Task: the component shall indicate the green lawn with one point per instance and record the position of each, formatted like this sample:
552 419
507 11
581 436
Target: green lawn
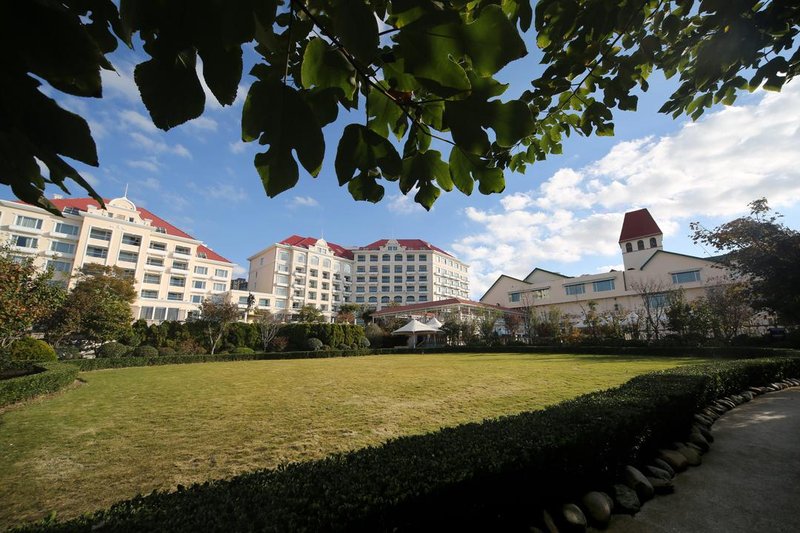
137 429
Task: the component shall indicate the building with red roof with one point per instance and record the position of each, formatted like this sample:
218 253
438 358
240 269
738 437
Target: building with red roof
173 272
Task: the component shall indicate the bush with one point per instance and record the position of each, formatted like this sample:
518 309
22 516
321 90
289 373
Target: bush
30 349
68 352
145 351
243 350
314 344
462 477
279 344
363 342
112 349
190 347
166 350
47 378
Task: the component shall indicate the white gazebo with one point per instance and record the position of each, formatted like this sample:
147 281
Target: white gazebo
413 328
434 322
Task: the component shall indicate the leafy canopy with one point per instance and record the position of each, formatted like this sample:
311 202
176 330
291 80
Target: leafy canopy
419 70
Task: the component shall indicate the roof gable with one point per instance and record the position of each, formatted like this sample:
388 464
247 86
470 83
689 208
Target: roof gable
408 244
540 274
308 242
638 224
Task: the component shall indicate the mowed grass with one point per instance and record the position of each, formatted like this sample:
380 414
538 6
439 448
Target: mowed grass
133 430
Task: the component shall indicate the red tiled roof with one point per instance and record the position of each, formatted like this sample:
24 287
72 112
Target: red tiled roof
438 303
409 244
638 224
308 242
83 204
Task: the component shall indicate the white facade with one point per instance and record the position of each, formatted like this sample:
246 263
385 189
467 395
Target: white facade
172 271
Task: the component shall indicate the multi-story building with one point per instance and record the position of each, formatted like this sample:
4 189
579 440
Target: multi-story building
305 270
173 272
649 272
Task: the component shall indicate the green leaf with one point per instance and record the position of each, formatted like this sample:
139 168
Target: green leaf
364 188
327 68
362 149
492 41
357 29
423 168
170 89
222 70
465 169
467 119
385 115
278 170
427 195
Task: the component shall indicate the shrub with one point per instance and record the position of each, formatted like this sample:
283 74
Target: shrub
68 352
243 350
375 335
145 351
363 342
190 347
48 378
30 349
166 350
279 344
314 344
112 349
343 347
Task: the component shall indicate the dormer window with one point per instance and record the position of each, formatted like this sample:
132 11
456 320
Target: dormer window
640 245
159 229
653 242
628 247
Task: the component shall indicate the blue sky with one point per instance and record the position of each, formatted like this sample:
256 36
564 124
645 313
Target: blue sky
563 214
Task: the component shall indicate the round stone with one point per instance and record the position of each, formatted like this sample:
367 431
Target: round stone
638 482
598 506
625 499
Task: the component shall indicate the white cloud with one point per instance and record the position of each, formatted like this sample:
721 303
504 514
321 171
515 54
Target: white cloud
150 183
712 167
150 163
239 271
203 124
224 191
404 204
303 201
237 147
151 145
137 120
90 178
120 83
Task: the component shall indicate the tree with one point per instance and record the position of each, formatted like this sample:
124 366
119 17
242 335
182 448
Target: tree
309 313
27 296
485 320
97 309
514 323
729 309
216 316
347 313
268 327
654 297
766 252
419 70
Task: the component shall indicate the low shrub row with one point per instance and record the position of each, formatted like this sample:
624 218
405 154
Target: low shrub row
43 379
493 475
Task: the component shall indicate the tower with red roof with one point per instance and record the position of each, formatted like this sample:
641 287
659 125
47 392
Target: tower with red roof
639 239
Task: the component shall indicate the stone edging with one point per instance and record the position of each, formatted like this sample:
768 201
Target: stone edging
637 486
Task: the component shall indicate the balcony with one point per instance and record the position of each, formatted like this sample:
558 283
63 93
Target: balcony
24 229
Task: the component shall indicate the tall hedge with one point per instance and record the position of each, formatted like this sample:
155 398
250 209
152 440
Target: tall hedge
333 335
489 476
44 379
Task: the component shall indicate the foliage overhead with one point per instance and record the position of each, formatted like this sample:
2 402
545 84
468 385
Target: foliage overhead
766 252
419 69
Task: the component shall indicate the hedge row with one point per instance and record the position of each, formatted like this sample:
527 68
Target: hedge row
46 378
492 475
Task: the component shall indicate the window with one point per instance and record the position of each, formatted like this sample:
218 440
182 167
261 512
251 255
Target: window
197 299
398 269
422 257
183 250
398 299
326 275
29 222
398 288
175 296
221 287
201 270
282 279
24 242
59 266
71 211
177 281
146 313
326 263
263 302
314 260
398 257
514 297
410 299
360 279
385 268
373 268
604 285
242 300
155 261
409 288
628 247
653 242
62 247
180 265
384 299
97 251
573 290
373 288
385 279
100 234
360 268
312 295
150 294
300 258
152 278
373 279
221 273
640 245
386 257
398 279
280 304
373 299
422 288
423 278
657 301
686 277
66 229
197 284
314 272
423 298
128 257
359 299
423 268
160 246
133 240
283 256
409 268
373 258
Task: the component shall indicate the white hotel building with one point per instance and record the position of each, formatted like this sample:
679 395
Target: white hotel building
173 272
309 271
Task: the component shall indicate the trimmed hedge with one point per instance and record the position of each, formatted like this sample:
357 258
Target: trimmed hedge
489 476
48 377
30 349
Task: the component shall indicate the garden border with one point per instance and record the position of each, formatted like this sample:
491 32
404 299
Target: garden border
50 377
